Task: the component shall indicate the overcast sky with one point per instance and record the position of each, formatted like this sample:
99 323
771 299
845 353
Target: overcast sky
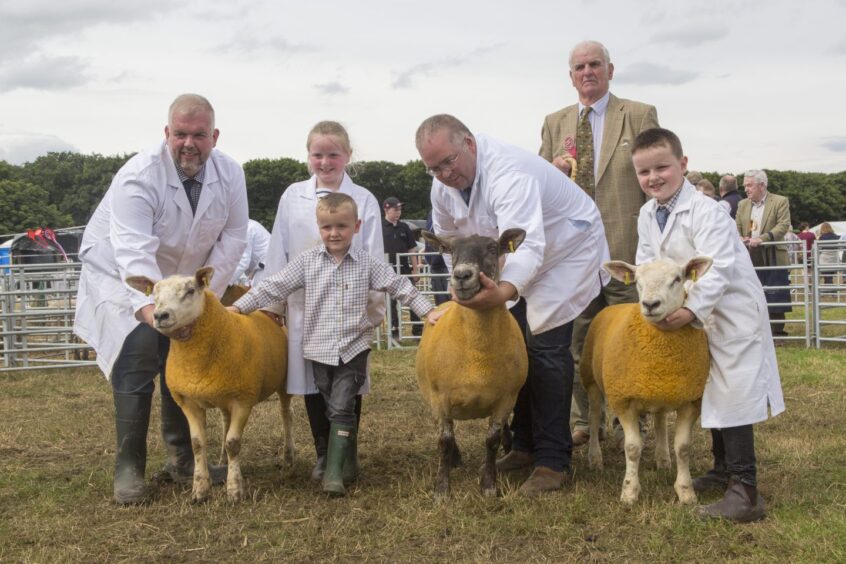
745 84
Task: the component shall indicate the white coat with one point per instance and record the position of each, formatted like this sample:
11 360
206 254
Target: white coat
252 259
144 226
294 231
728 301
558 266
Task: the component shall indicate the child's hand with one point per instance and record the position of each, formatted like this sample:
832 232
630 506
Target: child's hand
233 309
676 320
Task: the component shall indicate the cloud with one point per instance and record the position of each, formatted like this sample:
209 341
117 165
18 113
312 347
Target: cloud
406 78
43 73
252 42
333 87
839 48
837 144
26 25
692 37
19 148
650 74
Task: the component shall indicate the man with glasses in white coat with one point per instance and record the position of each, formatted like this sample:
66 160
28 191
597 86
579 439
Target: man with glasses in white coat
483 186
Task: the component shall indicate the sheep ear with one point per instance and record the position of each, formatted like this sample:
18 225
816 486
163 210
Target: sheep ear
443 245
697 267
511 239
203 276
141 283
622 271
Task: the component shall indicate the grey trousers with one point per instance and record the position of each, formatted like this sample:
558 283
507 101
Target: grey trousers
339 385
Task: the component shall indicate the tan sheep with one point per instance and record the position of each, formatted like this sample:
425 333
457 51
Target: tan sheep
472 363
641 368
218 359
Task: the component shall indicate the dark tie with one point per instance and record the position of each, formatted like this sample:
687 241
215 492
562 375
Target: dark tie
584 153
465 194
661 214
192 190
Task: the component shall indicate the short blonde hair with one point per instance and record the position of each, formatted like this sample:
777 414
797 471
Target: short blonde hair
334 129
333 202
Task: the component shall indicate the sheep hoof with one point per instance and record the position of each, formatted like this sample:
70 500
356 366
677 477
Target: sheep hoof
686 495
629 497
199 498
235 496
663 464
489 492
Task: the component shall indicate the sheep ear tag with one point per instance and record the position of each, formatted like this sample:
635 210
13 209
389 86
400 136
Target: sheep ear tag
627 280
148 289
511 246
206 280
693 275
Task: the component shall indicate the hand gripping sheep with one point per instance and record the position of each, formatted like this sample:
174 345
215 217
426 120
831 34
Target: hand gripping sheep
218 359
641 368
472 363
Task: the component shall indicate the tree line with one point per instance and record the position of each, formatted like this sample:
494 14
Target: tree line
63 189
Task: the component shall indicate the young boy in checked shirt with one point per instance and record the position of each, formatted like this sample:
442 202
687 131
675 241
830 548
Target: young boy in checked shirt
337 335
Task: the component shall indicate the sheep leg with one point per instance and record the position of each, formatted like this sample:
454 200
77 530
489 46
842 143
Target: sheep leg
226 421
594 422
686 417
631 483
446 447
287 429
488 479
196 416
507 437
662 444
234 479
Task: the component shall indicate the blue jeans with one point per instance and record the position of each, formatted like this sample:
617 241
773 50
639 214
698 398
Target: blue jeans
339 386
542 413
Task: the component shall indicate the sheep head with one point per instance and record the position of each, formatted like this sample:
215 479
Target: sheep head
474 254
179 301
661 285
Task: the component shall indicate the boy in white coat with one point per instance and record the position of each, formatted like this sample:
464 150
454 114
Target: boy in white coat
679 223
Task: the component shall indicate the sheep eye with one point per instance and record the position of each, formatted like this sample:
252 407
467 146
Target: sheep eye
677 280
190 292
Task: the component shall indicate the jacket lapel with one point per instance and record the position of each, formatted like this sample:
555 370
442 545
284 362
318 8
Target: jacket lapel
211 184
180 198
610 134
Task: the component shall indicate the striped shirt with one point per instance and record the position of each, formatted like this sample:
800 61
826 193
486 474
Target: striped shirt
336 324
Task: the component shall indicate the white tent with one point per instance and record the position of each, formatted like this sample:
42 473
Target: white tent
838 226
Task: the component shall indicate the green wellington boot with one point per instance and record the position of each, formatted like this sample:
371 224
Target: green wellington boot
351 464
340 439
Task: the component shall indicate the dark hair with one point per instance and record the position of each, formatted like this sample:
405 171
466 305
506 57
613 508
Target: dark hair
658 136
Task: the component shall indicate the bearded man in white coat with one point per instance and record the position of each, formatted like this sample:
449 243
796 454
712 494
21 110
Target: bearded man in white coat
483 186
170 210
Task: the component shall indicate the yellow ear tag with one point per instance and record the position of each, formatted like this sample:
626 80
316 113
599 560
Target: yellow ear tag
627 280
148 289
511 246
205 280
694 276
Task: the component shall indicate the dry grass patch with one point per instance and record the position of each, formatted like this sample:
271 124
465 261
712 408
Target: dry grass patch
57 452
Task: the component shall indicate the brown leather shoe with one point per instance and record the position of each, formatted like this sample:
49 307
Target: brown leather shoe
735 506
543 480
711 480
580 438
515 460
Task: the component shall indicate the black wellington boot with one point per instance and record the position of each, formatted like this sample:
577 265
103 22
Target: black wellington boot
319 424
132 417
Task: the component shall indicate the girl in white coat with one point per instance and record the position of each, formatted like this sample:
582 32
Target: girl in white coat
680 223
294 231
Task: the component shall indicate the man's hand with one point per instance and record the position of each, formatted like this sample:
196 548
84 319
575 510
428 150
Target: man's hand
145 315
755 241
561 164
676 320
490 295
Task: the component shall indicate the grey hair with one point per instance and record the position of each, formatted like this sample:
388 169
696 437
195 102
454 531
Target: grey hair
759 175
189 104
590 43
457 129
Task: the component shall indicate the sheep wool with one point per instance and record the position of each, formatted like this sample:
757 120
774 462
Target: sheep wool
671 366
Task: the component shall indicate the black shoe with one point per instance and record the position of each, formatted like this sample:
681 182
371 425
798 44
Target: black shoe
711 480
737 505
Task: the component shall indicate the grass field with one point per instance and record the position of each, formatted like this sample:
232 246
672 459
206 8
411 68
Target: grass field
57 453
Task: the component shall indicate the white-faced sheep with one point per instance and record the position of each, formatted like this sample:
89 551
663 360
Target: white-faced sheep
641 368
472 363
218 359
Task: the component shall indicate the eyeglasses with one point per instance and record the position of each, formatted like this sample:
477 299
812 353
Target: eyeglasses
447 165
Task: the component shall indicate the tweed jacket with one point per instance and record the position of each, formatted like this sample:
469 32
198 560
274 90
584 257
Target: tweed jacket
774 224
617 195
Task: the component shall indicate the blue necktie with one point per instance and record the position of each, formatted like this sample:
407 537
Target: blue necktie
465 194
192 190
661 214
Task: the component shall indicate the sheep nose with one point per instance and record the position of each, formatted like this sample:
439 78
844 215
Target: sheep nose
650 306
462 274
160 315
